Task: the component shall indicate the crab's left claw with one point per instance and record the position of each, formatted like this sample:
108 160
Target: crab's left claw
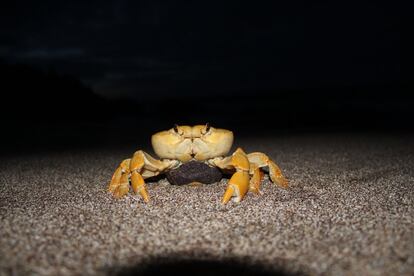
238 184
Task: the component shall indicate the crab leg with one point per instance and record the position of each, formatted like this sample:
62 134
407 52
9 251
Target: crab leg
256 179
137 181
140 166
259 160
238 184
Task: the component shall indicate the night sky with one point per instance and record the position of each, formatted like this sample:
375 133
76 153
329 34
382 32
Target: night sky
150 49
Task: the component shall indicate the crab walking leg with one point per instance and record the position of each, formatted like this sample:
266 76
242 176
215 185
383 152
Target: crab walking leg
138 185
259 160
238 184
119 185
137 181
256 180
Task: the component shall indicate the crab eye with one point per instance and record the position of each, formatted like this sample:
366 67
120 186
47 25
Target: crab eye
176 128
205 129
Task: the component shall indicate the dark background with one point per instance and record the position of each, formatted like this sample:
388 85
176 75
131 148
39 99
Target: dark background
107 73
99 77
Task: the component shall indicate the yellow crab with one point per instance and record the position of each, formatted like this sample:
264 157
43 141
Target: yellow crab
200 143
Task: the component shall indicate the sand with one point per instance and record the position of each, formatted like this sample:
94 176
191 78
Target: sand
349 210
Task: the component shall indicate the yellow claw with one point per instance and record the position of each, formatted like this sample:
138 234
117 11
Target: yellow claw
238 186
228 194
239 160
239 182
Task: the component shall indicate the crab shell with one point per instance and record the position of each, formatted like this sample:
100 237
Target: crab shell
185 143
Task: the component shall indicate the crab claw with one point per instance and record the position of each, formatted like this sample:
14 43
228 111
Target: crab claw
228 194
238 186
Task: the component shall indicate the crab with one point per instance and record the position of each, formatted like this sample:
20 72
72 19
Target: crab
203 144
